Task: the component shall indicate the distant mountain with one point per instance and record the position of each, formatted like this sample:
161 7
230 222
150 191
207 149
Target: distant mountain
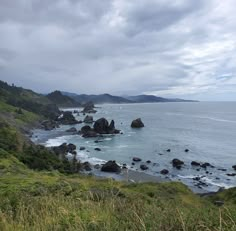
107 98
62 100
97 99
153 99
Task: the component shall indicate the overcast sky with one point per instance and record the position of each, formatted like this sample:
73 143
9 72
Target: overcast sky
182 48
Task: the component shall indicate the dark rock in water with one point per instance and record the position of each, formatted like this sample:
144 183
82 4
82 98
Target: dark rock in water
168 150
195 163
133 163
102 126
217 178
222 169
112 125
148 161
234 167
97 149
186 150
219 203
67 118
49 125
164 171
204 165
111 166
231 174
137 123
82 148
98 141
197 178
143 167
74 152
73 129
177 163
88 119
87 166
85 129
137 159
89 108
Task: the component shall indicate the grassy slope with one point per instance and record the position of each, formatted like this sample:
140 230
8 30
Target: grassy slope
33 200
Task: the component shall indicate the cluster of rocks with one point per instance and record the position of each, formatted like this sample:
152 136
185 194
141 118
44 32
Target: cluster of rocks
101 126
62 150
49 125
67 118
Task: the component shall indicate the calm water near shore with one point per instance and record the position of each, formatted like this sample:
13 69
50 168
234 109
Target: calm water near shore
207 129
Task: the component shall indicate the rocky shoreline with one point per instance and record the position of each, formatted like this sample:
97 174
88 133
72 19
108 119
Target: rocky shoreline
102 127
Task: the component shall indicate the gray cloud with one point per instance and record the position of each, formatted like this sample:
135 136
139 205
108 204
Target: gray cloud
182 48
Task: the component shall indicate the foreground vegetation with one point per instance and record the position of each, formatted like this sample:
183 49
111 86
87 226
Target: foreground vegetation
40 191
32 200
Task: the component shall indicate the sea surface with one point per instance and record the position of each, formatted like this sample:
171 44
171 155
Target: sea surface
207 129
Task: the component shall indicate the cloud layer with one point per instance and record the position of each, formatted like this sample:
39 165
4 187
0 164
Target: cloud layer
184 49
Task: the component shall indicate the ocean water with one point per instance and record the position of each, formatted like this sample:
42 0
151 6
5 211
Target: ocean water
207 129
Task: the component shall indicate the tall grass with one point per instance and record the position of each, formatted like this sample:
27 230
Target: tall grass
103 209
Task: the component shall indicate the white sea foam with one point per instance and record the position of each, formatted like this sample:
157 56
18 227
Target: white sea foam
57 141
108 138
219 184
188 176
85 156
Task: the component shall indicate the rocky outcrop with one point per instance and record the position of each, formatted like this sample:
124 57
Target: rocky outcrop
102 126
87 132
137 123
195 163
88 119
89 108
86 166
177 163
67 118
64 148
49 125
111 166
234 167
